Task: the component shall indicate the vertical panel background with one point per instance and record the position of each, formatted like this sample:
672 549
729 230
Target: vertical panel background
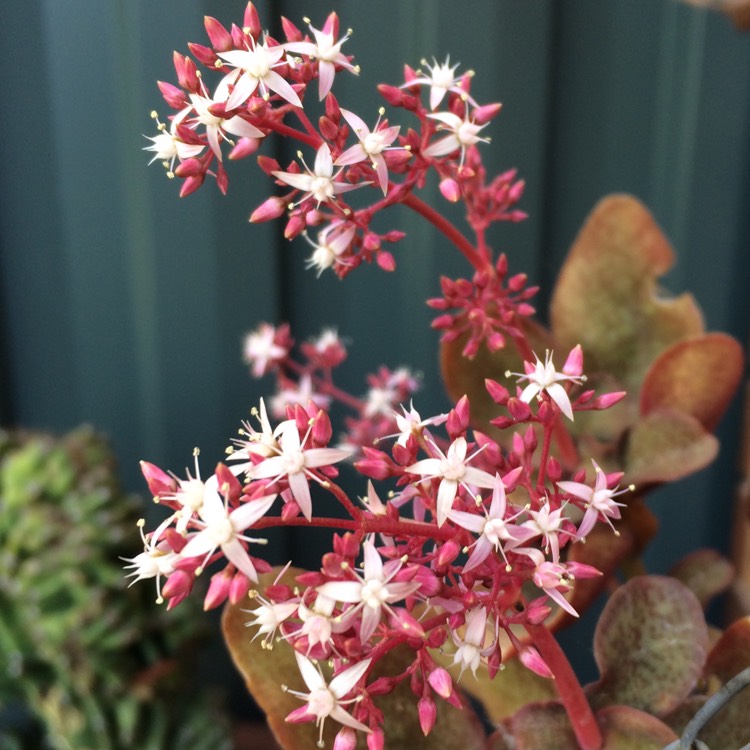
124 306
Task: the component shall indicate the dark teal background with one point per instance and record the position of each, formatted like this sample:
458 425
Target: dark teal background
124 306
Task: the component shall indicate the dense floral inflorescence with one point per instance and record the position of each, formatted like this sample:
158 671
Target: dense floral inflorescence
461 539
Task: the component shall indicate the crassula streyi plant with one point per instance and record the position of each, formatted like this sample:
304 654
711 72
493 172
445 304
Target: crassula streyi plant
467 548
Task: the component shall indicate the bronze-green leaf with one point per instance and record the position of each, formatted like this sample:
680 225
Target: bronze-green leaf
627 728
542 725
666 445
698 376
606 298
705 572
650 645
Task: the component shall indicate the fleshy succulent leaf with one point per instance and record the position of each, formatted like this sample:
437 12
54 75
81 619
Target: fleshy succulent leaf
627 728
606 296
697 376
650 645
666 445
705 572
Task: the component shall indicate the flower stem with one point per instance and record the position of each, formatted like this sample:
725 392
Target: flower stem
571 693
447 228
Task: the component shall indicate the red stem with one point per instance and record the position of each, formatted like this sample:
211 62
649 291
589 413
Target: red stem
571 693
447 228
366 524
282 129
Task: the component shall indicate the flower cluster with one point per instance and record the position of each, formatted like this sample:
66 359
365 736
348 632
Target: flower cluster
262 88
466 548
461 542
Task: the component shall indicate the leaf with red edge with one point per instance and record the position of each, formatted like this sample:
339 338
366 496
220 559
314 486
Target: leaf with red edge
606 297
650 645
731 654
627 728
666 445
697 376
705 572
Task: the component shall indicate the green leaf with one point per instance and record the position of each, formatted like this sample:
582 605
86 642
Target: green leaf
606 298
666 445
543 726
698 376
650 645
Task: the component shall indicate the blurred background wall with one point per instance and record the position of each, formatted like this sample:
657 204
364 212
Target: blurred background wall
125 307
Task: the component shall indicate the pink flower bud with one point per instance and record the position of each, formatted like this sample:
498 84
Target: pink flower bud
187 73
609 399
294 227
574 363
328 129
458 418
289 510
173 96
427 712
502 423
251 21
333 112
394 96
517 216
519 410
450 190
485 113
291 32
376 740
441 682
532 660
270 209
218 590
238 588
448 553
178 583
386 261
229 486
244 147
498 393
220 38
405 623
516 191
346 739
190 185
554 469
204 55
159 482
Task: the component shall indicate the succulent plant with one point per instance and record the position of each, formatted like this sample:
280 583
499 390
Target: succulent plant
82 651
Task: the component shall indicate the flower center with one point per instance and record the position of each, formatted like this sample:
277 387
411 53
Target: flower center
191 494
373 143
259 63
374 593
321 188
321 702
452 469
221 531
495 530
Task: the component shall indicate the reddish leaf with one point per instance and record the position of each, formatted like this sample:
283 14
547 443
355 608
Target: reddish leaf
698 376
627 728
606 297
650 645
705 572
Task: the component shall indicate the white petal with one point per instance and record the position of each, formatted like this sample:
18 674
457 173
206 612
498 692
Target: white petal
349 592
343 683
301 491
313 679
248 513
238 555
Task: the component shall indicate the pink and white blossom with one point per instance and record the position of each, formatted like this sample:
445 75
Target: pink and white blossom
453 470
442 78
328 699
497 531
327 51
462 133
293 462
371 592
542 376
371 145
318 183
254 70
